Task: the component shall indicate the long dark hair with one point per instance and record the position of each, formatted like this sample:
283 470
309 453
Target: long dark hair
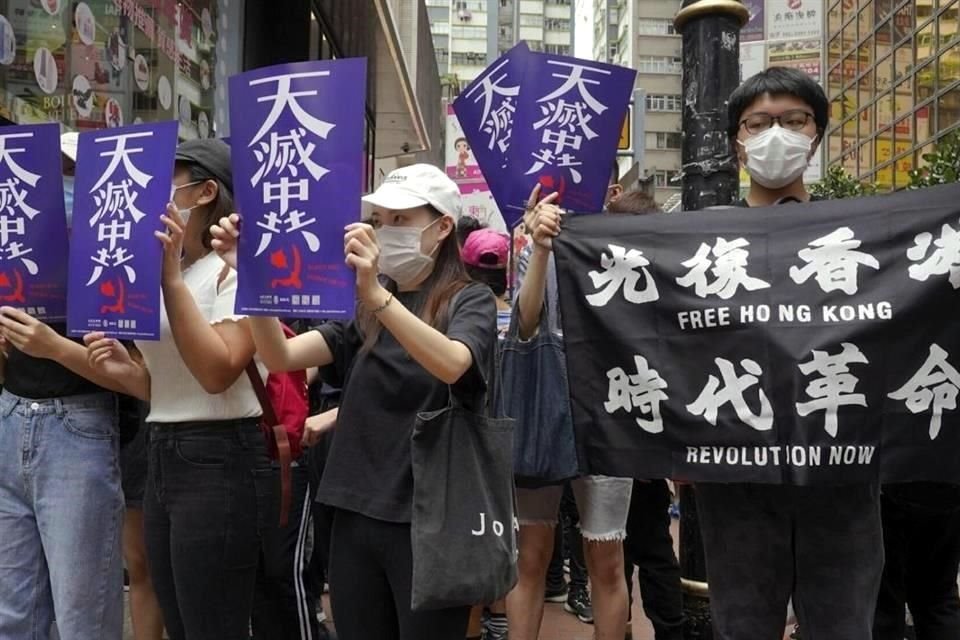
448 277
221 207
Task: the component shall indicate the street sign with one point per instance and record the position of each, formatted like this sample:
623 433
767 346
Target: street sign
625 138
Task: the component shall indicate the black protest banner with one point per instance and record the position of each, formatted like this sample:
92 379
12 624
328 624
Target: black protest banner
800 344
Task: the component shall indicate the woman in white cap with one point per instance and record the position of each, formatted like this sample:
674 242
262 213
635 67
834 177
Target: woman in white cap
422 330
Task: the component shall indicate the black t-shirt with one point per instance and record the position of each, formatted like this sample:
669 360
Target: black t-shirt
38 378
369 470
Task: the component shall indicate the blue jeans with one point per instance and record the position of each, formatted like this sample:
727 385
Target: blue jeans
61 514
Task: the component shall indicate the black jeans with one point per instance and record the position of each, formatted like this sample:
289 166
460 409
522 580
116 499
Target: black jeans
649 547
921 528
316 458
568 543
284 605
765 543
204 509
371 575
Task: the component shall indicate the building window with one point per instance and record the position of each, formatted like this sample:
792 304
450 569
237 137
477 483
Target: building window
669 140
468 32
557 24
438 14
666 179
527 20
659 64
659 102
557 49
656 27
565 3
469 58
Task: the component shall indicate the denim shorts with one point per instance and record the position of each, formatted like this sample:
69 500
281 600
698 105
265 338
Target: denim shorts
604 505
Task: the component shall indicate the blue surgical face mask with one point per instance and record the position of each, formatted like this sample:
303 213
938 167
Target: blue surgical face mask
68 199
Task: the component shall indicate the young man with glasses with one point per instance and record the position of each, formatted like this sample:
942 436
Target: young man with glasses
766 544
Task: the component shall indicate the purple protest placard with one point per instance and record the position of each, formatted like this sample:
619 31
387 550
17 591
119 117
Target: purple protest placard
486 110
33 224
298 157
123 183
566 130
753 31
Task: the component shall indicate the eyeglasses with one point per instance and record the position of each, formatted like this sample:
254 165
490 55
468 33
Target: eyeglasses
794 120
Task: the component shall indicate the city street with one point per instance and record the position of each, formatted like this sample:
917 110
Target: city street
557 623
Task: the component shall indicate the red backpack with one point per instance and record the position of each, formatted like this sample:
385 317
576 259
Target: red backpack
285 407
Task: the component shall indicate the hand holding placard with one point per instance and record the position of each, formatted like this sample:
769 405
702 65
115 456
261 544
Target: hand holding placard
172 241
108 357
225 235
362 254
27 334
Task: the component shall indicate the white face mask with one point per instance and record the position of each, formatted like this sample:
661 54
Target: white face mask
184 213
777 157
401 258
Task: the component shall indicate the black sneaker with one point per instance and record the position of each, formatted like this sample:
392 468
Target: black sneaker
579 605
556 593
126 581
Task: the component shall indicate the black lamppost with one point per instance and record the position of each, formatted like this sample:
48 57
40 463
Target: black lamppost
711 71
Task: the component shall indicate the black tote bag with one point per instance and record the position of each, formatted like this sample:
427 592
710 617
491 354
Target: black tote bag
464 529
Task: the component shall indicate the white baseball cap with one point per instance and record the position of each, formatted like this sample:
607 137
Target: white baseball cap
68 144
416 186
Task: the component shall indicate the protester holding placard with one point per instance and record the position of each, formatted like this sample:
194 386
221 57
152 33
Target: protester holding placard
424 338
206 452
61 507
603 501
822 545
